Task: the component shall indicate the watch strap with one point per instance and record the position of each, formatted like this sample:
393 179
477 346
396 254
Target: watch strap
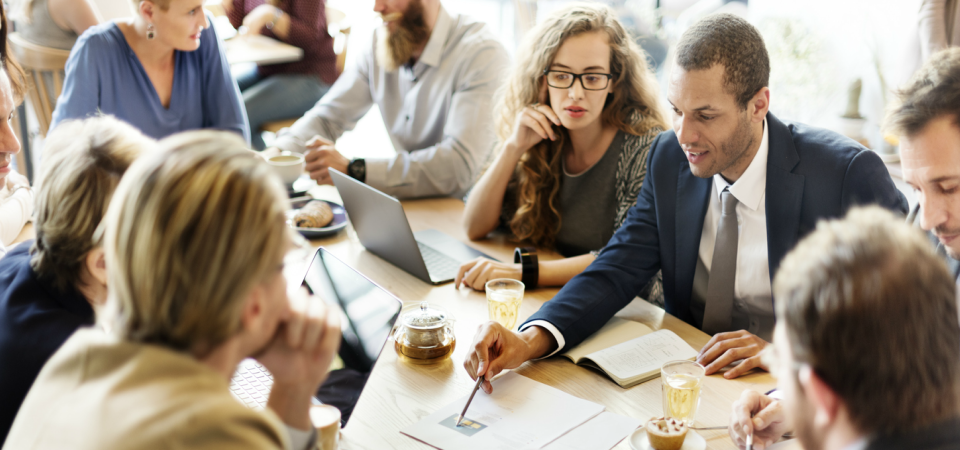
527 258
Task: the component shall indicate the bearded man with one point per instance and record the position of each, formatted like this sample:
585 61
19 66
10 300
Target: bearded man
433 76
729 191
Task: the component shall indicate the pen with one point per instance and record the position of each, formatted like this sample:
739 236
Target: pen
469 400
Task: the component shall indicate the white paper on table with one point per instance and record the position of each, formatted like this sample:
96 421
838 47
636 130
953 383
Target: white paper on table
520 414
602 432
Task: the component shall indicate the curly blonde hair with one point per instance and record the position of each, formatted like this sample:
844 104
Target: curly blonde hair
632 108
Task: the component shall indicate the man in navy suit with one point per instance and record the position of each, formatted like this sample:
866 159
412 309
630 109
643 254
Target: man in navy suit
732 189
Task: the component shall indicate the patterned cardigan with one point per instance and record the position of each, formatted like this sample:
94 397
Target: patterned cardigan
631 170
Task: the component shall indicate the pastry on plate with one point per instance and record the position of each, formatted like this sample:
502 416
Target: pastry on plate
666 433
315 214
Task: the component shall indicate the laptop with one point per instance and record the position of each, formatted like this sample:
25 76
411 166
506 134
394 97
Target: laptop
381 225
368 315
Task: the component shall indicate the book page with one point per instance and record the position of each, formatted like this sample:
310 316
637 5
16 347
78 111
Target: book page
521 414
616 331
643 354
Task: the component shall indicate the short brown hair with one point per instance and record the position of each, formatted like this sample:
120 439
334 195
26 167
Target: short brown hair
83 161
868 304
932 92
733 43
191 230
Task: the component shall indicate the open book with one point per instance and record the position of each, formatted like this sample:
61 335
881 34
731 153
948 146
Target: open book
630 352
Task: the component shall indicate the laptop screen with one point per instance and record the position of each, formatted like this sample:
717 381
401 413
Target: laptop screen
368 314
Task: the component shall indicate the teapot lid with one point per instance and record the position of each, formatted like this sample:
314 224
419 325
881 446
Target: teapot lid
425 317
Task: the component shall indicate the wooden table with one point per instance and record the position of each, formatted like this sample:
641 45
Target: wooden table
400 394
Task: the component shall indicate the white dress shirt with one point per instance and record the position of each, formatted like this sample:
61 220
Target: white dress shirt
16 208
752 304
437 111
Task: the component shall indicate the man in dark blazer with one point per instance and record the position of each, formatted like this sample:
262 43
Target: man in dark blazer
732 188
867 344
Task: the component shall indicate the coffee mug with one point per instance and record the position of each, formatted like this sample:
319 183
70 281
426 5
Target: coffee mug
289 165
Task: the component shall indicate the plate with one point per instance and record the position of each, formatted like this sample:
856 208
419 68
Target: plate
338 223
639 441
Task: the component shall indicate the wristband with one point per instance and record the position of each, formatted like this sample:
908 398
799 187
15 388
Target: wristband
527 258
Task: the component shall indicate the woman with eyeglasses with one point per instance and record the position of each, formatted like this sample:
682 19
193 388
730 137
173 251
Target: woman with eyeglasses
575 121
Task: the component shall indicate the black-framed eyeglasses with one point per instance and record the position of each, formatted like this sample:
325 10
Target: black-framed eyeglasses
564 80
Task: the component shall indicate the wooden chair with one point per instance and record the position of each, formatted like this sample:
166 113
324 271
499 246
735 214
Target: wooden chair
336 23
37 60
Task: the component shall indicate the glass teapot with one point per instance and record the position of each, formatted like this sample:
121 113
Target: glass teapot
424 335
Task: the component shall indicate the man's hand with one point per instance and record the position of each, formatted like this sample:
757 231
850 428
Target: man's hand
725 348
476 273
758 414
299 358
321 156
496 348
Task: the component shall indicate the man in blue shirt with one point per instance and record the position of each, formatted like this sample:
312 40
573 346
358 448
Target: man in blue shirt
728 193
50 287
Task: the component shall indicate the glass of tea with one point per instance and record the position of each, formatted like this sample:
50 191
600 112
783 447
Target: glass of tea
681 382
503 301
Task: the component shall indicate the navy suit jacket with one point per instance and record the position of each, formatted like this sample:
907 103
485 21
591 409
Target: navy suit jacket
812 174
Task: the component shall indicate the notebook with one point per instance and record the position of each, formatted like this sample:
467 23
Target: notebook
630 352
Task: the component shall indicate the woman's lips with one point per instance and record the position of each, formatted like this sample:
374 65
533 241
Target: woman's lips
575 112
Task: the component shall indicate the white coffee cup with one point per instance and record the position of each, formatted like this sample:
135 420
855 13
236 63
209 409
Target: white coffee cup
289 165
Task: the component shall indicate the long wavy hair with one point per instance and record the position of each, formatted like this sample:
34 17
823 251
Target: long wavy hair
633 107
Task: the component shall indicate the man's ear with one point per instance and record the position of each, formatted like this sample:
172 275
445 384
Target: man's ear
759 105
826 403
96 264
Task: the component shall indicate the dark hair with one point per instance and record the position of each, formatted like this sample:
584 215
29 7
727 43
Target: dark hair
869 305
732 42
18 80
932 92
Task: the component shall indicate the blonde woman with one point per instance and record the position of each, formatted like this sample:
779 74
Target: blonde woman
576 120
51 286
163 71
196 285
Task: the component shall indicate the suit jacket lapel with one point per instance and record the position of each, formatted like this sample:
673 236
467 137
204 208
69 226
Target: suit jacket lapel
693 197
784 194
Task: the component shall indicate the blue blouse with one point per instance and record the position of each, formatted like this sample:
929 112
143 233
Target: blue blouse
103 75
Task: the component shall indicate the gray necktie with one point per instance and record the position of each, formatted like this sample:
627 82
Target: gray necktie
723 270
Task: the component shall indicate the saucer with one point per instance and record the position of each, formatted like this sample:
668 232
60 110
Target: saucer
639 441
338 223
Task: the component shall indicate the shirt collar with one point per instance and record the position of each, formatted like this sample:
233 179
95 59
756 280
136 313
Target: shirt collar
438 39
752 184
860 444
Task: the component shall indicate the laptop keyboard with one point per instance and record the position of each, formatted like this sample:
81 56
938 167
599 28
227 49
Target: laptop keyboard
251 384
440 266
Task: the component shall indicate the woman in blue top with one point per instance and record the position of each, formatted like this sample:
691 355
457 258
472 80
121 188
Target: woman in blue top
162 71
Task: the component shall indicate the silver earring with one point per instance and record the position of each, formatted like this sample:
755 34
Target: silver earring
151 32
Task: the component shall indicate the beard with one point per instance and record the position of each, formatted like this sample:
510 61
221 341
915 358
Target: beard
396 48
738 145
803 427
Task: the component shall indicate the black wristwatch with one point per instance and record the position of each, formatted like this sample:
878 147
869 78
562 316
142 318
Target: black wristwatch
358 170
527 258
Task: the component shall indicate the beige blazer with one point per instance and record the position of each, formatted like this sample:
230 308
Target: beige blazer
100 393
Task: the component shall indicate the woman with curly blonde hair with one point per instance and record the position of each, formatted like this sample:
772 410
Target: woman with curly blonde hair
576 119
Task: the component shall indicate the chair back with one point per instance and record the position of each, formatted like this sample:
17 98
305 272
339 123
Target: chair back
36 61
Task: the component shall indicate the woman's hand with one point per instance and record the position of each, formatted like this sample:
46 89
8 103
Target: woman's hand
259 17
534 124
15 180
476 273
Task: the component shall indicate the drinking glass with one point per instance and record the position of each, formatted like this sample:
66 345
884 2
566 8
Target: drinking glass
503 300
681 382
